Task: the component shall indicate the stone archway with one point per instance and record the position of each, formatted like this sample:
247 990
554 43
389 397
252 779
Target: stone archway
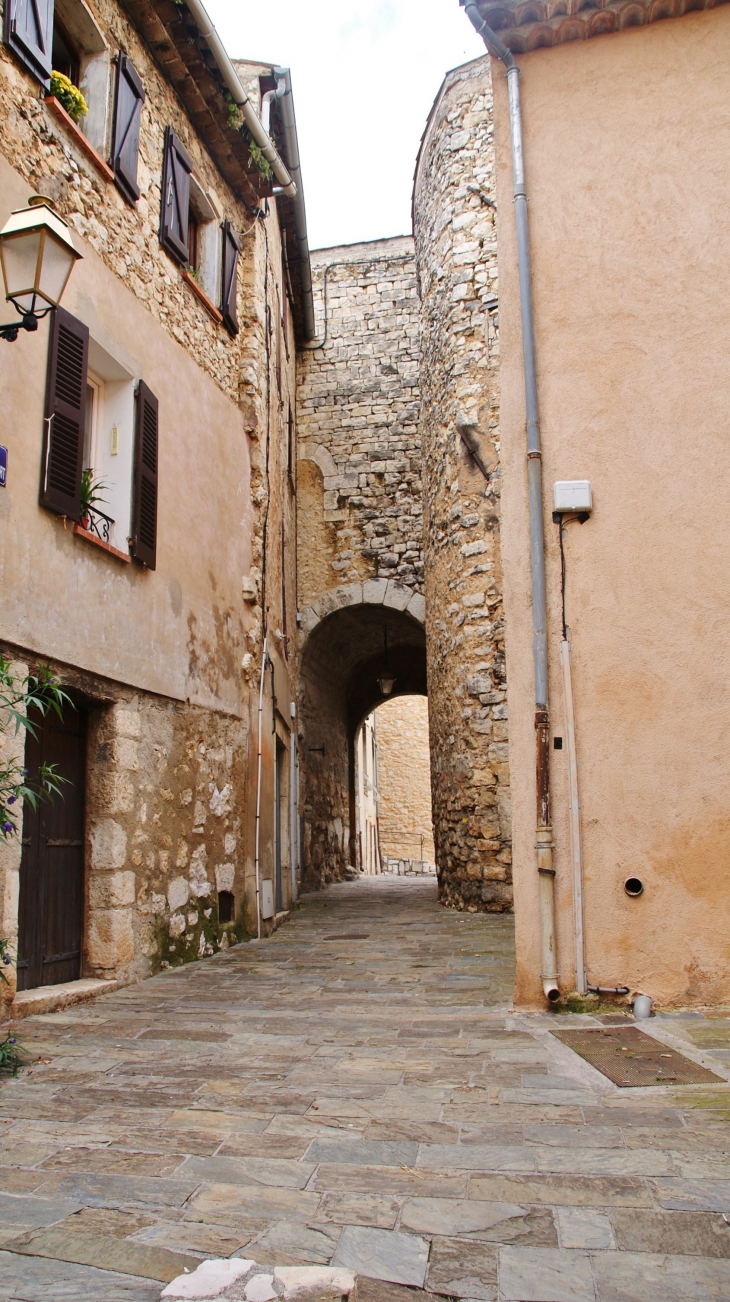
341 660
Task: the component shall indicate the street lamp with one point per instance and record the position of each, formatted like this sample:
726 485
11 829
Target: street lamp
386 681
37 256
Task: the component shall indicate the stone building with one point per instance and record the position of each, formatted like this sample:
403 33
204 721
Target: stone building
360 539
169 374
454 220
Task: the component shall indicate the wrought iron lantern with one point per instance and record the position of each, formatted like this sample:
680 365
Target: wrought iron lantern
386 681
38 256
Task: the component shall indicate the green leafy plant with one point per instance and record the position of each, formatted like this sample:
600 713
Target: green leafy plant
92 491
69 96
234 112
19 697
256 156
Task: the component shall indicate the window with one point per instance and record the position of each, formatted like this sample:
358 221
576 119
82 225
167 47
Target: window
204 240
65 57
229 278
93 423
80 52
94 395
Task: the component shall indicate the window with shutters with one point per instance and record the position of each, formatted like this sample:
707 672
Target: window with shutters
89 427
204 243
79 51
128 100
175 199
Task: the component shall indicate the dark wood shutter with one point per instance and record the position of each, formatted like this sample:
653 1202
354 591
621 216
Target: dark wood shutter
229 281
127 116
63 439
144 528
176 168
28 30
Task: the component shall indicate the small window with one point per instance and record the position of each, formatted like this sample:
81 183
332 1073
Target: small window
193 240
225 907
203 240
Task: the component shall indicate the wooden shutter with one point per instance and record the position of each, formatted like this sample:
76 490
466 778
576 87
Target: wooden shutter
127 115
229 292
176 168
144 528
63 439
28 30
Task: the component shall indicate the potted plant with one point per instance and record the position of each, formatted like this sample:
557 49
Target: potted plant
91 492
69 96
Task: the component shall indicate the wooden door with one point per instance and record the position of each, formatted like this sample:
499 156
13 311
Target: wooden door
52 861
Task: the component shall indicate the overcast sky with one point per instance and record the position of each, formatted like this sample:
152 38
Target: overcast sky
364 76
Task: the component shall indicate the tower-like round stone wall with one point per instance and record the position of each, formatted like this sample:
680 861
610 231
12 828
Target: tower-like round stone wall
456 254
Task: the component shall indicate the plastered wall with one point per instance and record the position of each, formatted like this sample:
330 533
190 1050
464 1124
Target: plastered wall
626 142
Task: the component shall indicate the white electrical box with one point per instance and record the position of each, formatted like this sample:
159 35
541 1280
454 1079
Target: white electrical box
572 495
267 899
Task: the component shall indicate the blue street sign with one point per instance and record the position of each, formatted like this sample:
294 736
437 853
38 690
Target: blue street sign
3 466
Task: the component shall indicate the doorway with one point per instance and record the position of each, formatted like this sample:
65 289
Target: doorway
52 858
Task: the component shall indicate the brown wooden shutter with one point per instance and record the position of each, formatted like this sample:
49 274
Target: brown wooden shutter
127 116
63 439
229 282
28 30
144 527
176 168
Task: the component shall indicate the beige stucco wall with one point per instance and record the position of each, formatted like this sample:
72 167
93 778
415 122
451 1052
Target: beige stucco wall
627 139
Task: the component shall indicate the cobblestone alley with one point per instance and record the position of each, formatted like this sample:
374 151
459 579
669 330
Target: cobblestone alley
355 1091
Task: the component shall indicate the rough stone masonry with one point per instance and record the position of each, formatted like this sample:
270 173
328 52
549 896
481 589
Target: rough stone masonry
456 251
376 462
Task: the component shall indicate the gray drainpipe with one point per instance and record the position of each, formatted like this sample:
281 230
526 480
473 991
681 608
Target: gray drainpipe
543 835
291 148
239 96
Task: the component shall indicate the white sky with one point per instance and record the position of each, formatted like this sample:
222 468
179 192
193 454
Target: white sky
364 76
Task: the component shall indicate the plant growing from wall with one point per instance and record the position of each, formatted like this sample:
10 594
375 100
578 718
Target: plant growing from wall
234 112
256 156
69 96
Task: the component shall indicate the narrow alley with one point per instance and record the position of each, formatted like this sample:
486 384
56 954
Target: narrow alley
354 1090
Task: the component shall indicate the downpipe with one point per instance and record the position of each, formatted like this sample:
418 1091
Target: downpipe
264 661
576 837
543 833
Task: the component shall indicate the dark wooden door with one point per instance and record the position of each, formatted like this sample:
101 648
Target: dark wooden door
52 861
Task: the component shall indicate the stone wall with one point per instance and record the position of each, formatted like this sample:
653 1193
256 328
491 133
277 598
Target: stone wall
456 251
171 771
359 446
404 779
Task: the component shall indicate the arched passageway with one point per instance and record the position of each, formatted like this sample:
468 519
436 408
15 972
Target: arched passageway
343 658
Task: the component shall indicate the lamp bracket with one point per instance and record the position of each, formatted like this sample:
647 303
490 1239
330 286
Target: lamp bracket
9 332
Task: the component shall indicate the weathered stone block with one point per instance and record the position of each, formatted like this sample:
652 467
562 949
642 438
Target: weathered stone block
111 890
110 939
108 844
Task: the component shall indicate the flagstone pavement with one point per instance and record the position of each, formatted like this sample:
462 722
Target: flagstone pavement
356 1091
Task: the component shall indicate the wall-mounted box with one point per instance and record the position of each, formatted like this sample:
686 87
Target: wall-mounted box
572 496
267 899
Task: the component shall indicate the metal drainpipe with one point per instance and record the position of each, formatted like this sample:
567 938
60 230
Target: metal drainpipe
543 834
291 147
239 96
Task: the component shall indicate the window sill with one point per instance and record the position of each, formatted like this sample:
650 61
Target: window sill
99 542
210 307
79 138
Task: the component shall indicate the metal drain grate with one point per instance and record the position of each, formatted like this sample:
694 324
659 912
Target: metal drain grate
629 1058
349 936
